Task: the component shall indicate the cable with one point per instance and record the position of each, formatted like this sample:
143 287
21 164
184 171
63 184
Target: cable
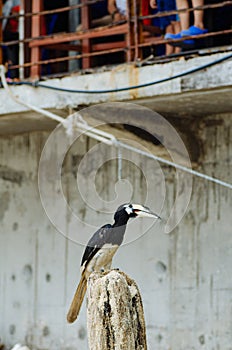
175 165
179 75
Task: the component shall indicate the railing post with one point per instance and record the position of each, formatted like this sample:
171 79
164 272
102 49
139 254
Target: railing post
35 32
129 36
86 44
135 30
21 38
115 317
137 26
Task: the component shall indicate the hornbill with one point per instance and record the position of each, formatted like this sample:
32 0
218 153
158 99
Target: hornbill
101 249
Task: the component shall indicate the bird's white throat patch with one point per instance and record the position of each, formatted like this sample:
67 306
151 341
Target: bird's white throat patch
128 209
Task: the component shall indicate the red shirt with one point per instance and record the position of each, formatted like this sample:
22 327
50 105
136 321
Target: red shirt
145 12
14 22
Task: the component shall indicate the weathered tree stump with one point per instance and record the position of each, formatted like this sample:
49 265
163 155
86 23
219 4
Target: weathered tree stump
115 318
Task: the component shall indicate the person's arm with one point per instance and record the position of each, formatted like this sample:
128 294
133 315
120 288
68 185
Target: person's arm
111 6
153 4
114 12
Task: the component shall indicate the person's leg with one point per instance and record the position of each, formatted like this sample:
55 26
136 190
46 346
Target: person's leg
168 48
184 16
176 29
176 26
198 14
186 29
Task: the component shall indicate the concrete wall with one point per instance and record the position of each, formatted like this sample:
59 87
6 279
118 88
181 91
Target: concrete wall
185 278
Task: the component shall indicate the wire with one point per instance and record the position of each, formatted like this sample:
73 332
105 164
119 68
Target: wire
175 165
179 75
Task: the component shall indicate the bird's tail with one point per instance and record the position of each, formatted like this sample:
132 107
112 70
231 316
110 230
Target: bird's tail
77 300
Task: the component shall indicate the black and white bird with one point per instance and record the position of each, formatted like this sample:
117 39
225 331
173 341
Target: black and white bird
101 248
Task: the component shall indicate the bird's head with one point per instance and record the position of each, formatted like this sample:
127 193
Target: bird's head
134 210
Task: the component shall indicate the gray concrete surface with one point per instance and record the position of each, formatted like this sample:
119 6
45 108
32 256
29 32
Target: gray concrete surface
184 278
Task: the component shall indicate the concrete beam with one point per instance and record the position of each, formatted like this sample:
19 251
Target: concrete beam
202 93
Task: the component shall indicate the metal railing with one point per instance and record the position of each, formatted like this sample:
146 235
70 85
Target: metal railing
134 40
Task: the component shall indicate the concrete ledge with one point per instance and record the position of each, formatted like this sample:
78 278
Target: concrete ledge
198 94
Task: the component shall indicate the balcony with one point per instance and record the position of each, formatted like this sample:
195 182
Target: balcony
120 61
56 40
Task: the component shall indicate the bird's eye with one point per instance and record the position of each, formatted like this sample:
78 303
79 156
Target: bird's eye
130 206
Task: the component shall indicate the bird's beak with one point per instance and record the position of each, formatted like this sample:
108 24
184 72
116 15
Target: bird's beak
144 212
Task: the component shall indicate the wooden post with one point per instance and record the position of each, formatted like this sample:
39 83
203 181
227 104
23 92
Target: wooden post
115 318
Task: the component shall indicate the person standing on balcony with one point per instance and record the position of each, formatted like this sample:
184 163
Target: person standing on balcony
186 30
168 24
10 33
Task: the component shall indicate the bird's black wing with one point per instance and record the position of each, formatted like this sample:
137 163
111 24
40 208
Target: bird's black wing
98 239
